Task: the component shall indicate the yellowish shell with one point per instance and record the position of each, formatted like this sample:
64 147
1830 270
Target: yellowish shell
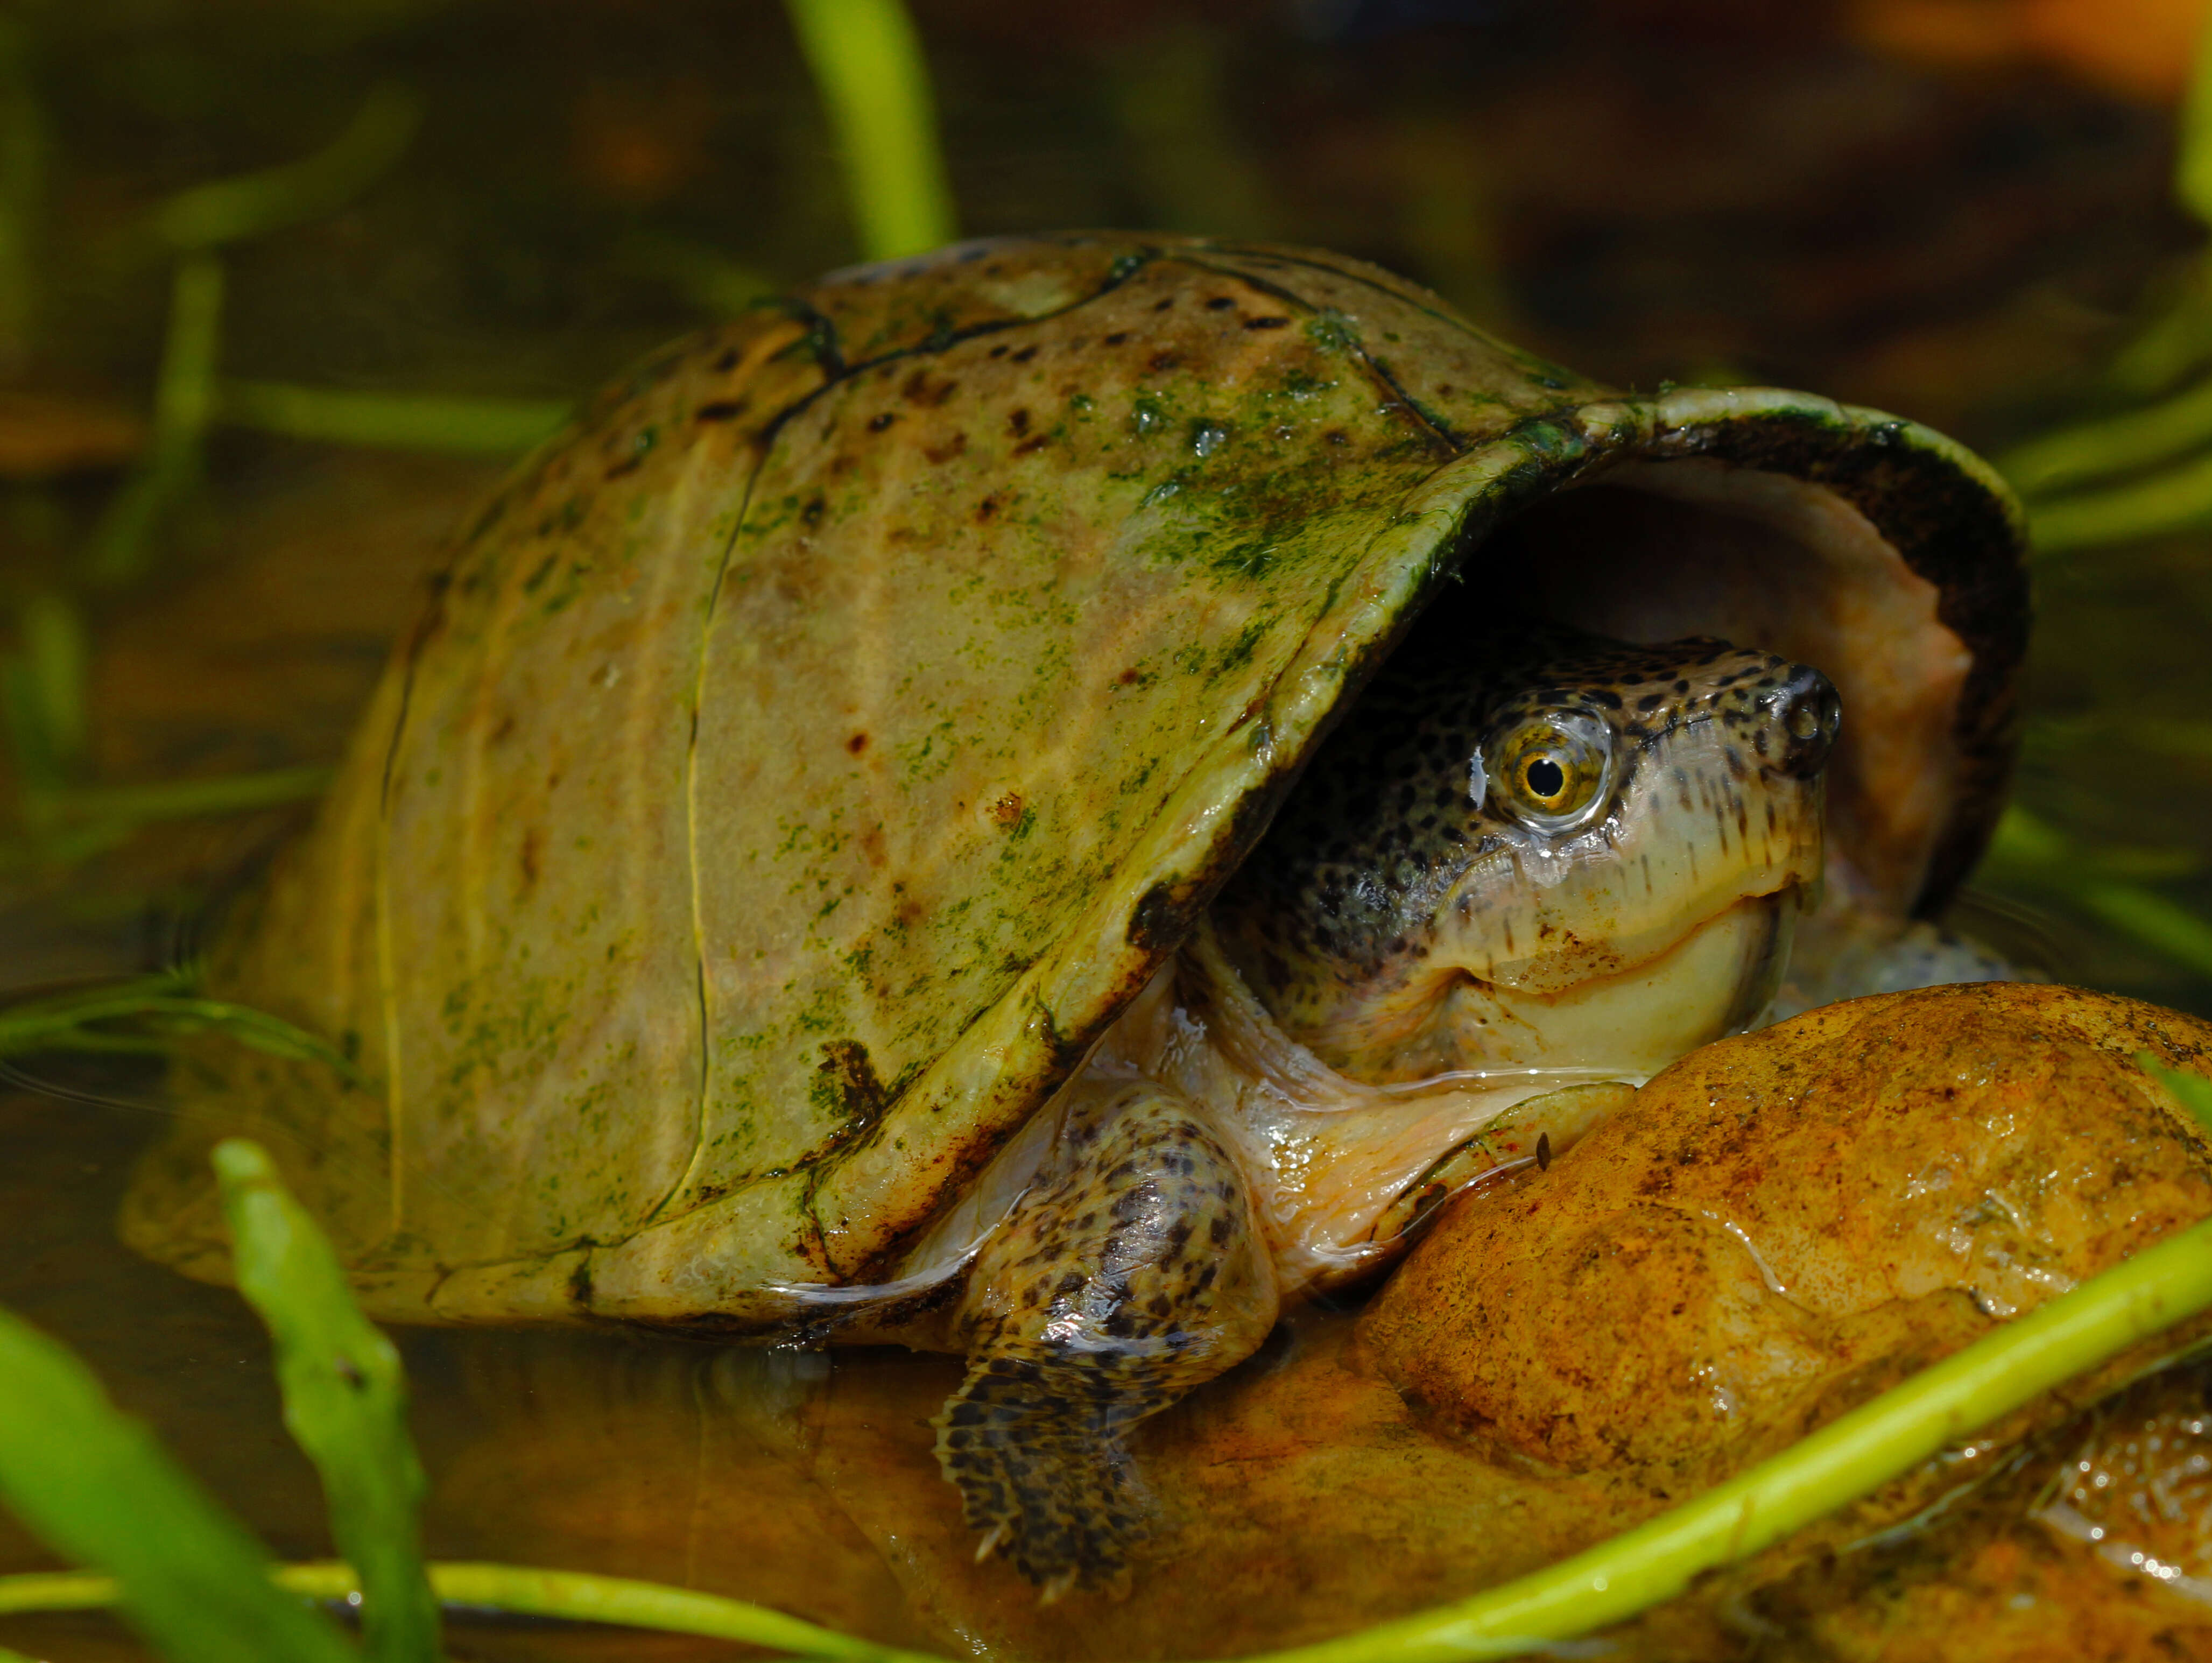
803 759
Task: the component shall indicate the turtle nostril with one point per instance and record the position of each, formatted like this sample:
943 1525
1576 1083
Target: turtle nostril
1806 710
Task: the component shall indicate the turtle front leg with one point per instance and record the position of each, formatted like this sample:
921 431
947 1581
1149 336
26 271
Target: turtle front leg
1132 1270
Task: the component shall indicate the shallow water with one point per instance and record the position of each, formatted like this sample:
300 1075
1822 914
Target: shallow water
1644 193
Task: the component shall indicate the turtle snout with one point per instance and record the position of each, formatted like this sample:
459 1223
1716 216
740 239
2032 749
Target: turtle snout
1805 715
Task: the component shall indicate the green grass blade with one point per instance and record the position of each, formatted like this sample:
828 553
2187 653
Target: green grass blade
184 400
2029 851
2124 444
58 663
411 421
94 1486
153 1006
345 1400
867 62
2166 927
184 799
2192 1091
252 204
2193 173
2175 499
521 1591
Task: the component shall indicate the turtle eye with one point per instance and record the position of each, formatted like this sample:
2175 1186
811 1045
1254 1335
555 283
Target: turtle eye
1555 768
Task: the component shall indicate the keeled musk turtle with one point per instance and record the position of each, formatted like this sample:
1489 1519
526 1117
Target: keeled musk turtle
1040 800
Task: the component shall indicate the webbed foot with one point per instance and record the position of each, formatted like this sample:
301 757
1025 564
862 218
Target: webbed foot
1132 1270
1032 1444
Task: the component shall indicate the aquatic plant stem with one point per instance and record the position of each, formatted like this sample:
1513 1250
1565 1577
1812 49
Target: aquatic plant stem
1611 1582
867 62
345 1400
392 421
520 1590
184 400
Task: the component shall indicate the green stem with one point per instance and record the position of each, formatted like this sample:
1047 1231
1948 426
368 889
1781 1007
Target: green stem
2193 175
2176 500
183 800
184 401
252 204
2117 445
868 66
68 1022
2029 851
519 1591
463 426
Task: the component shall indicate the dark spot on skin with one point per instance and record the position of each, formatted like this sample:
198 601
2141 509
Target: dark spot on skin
1337 436
1160 362
987 509
722 409
1130 677
999 351
857 744
505 731
1025 355
878 423
1007 808
1162 305
1119 337
1219 303
1027 446
811 516
1018 422
727 360
628 465
1267 323
945 452
532 841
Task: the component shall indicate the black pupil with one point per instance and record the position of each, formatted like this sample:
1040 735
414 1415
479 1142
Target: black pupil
1545 778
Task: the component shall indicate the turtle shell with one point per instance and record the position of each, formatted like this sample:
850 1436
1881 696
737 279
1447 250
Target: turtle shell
804 758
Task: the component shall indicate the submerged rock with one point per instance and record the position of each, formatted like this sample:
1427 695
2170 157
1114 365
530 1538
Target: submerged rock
1781 1224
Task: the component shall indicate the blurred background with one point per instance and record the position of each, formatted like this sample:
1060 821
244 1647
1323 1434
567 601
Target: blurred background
284 283
285 286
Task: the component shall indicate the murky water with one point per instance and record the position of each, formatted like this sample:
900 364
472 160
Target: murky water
1644 193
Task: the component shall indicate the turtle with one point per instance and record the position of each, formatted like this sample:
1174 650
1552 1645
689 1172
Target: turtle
1043 800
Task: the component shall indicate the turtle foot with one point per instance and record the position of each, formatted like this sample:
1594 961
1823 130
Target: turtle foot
1032 1446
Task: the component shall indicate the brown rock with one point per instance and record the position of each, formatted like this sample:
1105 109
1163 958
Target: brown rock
1783 1223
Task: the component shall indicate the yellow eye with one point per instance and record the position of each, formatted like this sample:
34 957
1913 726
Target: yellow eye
1553 769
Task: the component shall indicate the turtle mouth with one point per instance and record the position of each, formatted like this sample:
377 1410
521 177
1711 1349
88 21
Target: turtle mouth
1628 1019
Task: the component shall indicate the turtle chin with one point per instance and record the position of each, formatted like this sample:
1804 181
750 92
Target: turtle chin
1624 1022
1716 978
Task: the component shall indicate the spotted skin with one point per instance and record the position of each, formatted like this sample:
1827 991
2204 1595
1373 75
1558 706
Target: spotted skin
1343 900
1132 1270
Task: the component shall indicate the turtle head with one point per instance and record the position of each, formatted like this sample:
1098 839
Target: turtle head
1533 847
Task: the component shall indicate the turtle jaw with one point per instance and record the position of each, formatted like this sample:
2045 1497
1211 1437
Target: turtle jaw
1717 978
1626 1021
